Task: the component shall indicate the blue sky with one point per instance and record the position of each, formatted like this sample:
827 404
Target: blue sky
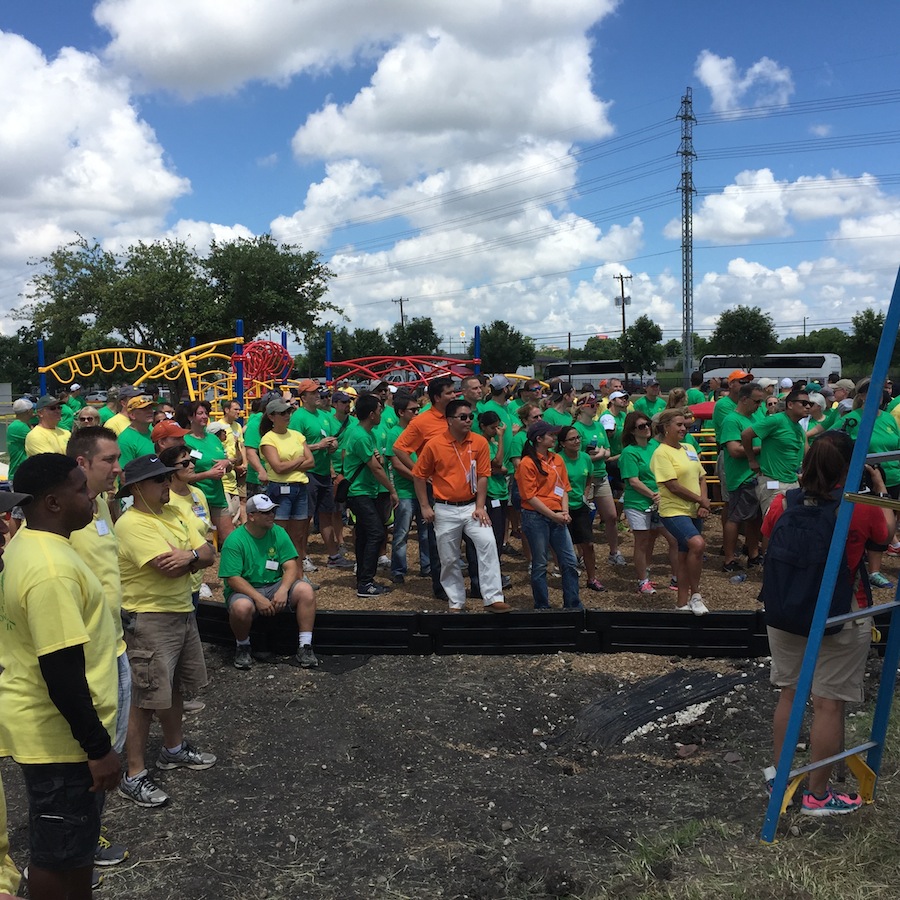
485 160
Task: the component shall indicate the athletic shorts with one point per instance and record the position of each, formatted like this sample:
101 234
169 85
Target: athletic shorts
166 655
841 667
63 814
320 494
643 520
743 504
580 526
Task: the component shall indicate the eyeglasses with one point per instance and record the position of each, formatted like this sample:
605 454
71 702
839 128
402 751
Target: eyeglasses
162 479
574 437
804 402
183 464
464 417
87 419
643 425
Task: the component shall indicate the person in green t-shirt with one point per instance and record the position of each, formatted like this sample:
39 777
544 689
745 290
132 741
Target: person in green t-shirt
782 446
16 433
694 394
370 505
406 408
261 576
651 403
559 412
613 421
580 468
743 504
498 434
135 440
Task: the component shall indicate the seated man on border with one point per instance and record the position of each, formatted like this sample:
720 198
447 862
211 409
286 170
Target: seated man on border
262 577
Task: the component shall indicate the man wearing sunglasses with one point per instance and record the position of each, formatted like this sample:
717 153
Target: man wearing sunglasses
158 551
782 446
458 463
47 436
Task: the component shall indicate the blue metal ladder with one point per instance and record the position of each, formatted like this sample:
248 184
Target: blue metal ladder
787 780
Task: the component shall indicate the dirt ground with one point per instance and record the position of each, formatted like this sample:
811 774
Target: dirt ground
450 776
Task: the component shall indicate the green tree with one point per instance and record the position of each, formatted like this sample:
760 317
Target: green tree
503 348
672 348
823 340
641 348
600 348
18 360
867 326
369 342
744 331
416 338
268 285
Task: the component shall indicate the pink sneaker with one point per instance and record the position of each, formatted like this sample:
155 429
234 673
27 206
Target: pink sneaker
833 803
646 587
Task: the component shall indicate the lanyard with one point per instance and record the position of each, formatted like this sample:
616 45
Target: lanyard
470 473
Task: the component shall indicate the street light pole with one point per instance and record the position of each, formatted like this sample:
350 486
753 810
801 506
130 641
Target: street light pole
622 301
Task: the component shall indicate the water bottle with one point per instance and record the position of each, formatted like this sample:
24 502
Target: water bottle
740 578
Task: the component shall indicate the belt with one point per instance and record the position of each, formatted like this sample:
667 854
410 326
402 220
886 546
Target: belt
455 502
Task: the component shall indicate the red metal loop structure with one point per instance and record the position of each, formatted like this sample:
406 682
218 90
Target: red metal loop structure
264 362
411 370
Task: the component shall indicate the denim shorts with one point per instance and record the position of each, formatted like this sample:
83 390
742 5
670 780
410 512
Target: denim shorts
682 528
290 504
64 816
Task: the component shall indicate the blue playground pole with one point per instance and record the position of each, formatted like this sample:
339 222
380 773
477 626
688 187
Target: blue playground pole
285 373
239 365
477 349
327 357
42 376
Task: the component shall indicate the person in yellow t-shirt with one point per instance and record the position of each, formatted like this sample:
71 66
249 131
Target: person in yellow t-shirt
47 436
58 690
120 421
158 552
96 451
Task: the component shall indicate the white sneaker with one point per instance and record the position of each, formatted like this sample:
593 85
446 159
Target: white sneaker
697 606
205 592
309 565
616 559
384 562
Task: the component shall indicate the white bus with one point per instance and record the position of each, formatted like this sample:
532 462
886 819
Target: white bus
809 366
592 372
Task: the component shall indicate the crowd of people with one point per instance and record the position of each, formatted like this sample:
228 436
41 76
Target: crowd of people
118 513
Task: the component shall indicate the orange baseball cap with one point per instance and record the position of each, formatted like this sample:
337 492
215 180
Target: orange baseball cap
738 374
307 385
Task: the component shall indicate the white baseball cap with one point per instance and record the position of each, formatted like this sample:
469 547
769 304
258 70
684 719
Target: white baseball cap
787 383
22 405
260 503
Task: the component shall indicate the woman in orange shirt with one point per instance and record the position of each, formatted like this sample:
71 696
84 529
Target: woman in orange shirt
544 486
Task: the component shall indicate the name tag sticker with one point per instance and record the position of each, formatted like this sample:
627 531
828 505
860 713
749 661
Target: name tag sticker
692 455
272 565
772 485
495 504
558 491
196 454
102 527
285 489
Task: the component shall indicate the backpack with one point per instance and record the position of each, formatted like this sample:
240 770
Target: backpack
795 562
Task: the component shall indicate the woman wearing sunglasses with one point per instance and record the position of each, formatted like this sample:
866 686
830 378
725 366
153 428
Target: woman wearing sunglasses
86 417
544 486
641 498
287 459
188 500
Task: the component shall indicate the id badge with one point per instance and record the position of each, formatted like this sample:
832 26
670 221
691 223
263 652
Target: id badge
285 489
272 565
196 454
495 504
102 527
772 485
558 491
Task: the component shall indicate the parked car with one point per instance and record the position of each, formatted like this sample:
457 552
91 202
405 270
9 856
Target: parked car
98 397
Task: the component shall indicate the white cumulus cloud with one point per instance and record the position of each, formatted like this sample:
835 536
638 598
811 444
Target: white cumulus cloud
765 83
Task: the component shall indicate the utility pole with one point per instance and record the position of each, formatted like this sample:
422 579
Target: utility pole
804 327
402 318
622 300
686 186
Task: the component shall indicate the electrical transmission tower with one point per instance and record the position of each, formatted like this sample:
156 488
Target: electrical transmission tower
686 186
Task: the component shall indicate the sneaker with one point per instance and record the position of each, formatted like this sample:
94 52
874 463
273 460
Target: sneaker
398 578
193 705
108 853
505 582
243 659
143 791
339 562
733 566
645 587
893 550
595 585
833 803
877 579
769 774
306 658
372 590
384 562
673 583
186 758
424 573
312 584
697 606
755 562
309 565
616 559
205 592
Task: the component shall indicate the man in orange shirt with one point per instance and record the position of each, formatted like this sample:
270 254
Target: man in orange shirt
426 425
459 463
